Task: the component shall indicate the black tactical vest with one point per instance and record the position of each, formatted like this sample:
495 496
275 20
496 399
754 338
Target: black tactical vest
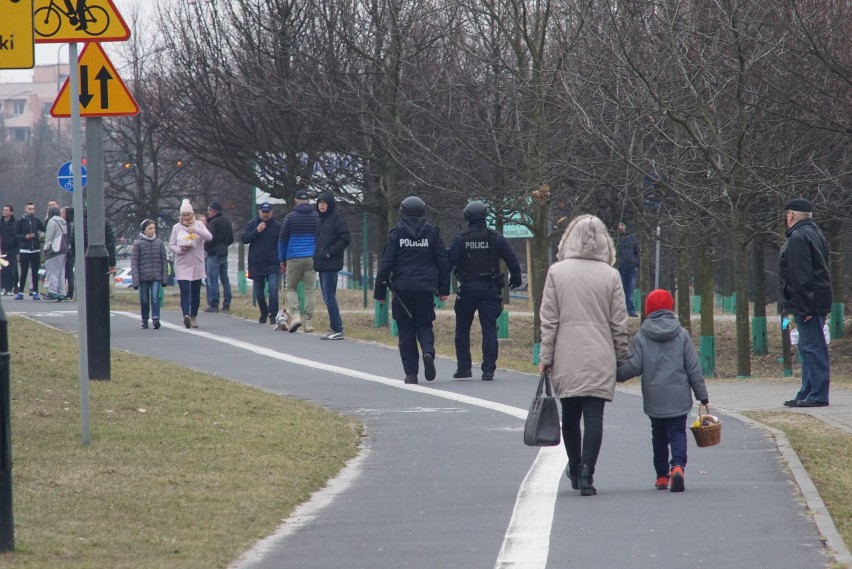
478 258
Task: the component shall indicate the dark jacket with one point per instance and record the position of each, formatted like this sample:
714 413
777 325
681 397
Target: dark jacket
26 225
223 236
457 257
627 251
149 260
109 239
8 238
298 233
663 354
332 237
803 275
263 247
414 259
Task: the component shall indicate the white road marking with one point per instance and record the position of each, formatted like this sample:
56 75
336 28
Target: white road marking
526 543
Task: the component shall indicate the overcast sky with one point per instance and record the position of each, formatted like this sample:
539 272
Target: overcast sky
47 53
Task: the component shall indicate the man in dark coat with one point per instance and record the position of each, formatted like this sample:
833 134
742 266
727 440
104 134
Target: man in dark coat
414 266
332 240
261 235
29 231
627 256
217 258
9 249
476 253
805 284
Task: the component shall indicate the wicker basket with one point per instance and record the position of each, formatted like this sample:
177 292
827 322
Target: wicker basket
707 435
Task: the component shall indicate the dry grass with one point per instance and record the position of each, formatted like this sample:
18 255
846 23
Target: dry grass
184 469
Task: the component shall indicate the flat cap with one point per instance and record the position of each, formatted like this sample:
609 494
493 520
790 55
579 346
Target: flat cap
799 204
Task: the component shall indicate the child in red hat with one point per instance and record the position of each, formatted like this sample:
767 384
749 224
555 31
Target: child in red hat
663 354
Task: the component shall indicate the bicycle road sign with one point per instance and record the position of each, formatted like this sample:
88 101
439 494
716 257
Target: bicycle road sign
102 92
65 176
17 50
93 20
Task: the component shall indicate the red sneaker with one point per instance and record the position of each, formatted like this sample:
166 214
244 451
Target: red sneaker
677 479
662 483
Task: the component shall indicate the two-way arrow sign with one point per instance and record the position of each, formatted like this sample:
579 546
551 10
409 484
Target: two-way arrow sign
109 98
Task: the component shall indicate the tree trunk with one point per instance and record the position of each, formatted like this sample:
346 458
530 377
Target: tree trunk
684 300
758 327
741 290
837 325
708 338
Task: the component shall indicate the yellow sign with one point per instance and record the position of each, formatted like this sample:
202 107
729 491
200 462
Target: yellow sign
89 20
102 92
16 34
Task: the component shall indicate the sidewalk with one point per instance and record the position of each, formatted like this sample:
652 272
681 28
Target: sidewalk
755 395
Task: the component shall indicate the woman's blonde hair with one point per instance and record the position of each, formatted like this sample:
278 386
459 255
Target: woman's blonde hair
586 237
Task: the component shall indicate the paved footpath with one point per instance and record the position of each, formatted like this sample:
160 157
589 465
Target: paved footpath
444 482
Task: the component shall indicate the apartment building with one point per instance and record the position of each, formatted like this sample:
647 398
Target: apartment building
24 104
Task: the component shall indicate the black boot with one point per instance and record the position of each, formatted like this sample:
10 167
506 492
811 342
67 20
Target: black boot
586 488
571 473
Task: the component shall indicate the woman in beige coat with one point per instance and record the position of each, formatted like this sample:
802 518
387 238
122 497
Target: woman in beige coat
583 335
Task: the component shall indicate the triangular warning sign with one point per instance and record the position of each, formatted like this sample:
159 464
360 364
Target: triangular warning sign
89 20
102 92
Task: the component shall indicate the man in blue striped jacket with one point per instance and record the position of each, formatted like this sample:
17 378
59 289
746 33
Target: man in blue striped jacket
296 244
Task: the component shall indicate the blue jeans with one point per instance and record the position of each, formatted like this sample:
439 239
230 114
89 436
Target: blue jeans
149 299
816 374
258 284
328 287
628 281
190 297
667 433
217 268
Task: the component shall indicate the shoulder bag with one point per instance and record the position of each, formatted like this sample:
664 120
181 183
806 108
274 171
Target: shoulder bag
542 427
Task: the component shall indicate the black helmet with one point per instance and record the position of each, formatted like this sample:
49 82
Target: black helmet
475 210
412 206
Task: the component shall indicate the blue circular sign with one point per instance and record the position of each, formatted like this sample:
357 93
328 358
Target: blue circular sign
65 177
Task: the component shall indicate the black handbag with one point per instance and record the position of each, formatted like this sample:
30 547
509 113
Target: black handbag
542 428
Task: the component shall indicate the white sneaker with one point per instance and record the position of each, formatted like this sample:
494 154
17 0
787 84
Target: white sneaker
332 336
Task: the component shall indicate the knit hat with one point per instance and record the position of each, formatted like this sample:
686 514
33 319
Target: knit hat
215 206
145 223
658 300
186 207
799 204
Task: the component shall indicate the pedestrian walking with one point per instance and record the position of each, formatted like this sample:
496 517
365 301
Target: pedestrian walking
261 235
583 336
332 240
627 253
55 249
475 254
217 258
109 242
663 354
296 245
149 267
414 267
29 232
805 285
9 250
186 242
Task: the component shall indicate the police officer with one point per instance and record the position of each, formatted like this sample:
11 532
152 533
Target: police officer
414 266
475 254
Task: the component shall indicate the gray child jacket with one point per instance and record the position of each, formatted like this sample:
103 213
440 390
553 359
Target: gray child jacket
663 354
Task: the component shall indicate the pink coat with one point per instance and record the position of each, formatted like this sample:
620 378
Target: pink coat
189 265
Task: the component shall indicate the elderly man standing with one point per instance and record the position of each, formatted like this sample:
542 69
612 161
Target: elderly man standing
806 294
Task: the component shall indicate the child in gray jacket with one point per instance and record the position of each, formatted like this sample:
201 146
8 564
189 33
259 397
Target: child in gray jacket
663 354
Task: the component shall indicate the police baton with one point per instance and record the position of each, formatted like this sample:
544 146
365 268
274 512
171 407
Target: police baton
401 303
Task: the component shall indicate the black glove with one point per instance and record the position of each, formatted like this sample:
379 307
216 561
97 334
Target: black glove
705 402
515 281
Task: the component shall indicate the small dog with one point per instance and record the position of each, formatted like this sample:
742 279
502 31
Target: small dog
282 321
